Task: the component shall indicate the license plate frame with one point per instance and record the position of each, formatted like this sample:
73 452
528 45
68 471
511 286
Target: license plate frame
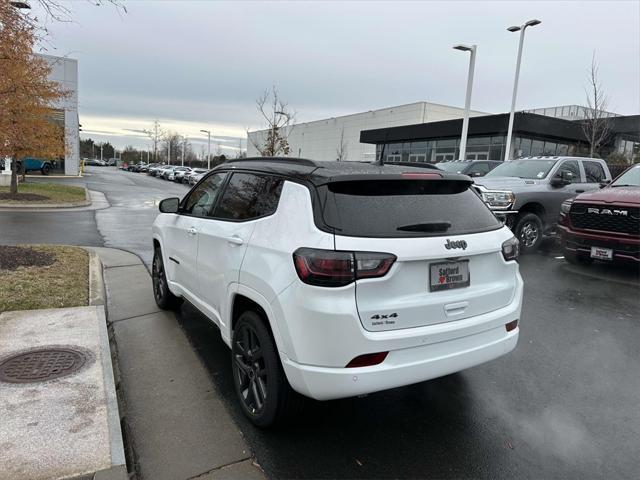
439 285
602 253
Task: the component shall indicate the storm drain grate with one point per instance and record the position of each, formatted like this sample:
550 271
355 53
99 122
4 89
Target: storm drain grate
38 365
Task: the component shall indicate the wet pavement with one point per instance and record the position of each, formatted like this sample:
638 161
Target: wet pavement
564 403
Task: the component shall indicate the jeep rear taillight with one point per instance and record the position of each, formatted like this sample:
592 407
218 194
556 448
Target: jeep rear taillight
331 268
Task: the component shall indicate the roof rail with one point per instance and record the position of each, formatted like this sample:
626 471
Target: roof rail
298 161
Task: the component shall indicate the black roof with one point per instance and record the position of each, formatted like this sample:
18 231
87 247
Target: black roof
528 123
320 172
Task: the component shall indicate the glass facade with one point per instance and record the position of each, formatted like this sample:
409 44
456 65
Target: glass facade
478 148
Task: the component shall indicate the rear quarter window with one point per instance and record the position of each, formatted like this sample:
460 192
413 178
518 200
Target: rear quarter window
405 208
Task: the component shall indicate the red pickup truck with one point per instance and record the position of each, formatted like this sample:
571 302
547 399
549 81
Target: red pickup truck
605 224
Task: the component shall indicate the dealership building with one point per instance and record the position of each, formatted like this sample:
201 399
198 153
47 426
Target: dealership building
65 113
326 139
427 132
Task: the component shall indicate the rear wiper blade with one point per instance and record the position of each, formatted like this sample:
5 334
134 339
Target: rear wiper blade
426 227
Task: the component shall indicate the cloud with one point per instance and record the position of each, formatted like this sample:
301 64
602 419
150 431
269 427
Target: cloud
202 64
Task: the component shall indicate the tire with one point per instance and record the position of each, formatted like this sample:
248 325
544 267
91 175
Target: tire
575 259
528 231
46 168
161 293
265 395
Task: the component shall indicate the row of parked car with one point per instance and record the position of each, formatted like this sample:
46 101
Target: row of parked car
172 173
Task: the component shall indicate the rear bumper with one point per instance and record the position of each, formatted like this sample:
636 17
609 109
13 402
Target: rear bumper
580 243
468 343
401 367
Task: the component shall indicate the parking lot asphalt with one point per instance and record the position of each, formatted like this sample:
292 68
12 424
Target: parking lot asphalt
564 403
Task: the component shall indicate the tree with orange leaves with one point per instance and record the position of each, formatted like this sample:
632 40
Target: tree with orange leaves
27 96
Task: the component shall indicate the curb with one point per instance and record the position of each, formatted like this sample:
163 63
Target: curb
52 206
118 470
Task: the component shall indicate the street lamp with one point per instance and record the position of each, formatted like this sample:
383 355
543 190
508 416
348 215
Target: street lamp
521 29
208 132
467 103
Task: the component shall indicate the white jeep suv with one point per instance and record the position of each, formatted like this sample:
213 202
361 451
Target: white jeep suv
336 279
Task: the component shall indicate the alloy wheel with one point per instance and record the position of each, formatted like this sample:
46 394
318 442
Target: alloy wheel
250 371
529 234
158 277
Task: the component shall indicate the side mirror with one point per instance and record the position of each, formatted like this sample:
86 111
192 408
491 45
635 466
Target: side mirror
562 178
170 205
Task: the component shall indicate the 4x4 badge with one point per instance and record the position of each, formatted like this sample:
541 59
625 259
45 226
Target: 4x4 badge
455 244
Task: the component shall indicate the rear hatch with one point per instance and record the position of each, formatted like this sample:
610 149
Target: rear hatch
447 242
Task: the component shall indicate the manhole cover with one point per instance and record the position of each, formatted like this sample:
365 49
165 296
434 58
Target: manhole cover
41 364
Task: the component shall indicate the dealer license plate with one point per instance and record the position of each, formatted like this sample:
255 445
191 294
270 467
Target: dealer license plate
448 275
602 253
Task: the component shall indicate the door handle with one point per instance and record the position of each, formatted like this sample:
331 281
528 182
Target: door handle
235 240
579 191
192 231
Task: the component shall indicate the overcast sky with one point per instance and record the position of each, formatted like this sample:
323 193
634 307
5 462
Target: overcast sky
201 64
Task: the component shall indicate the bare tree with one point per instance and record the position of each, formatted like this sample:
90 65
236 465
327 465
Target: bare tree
342 150
156 135
596 125
172 146
280 120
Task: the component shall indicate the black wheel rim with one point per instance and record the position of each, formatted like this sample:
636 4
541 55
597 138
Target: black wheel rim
158 277
529 234
250 373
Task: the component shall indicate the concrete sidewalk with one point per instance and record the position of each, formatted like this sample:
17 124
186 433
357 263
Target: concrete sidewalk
57 422
176 427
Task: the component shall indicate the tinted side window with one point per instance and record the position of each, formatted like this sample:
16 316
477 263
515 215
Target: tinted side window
249 196
203 197
594 172
571 166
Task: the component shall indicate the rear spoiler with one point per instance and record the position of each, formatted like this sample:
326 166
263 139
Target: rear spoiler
413 175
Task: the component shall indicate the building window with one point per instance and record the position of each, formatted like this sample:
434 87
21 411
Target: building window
537 147
418 157
563 150
550 148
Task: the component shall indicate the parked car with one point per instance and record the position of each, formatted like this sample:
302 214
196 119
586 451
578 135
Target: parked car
197 176
95 162
159 170
29 164
473 168
178 173
137 167
603 224
166 171
186 178
337 279
527 193
112 162
153 171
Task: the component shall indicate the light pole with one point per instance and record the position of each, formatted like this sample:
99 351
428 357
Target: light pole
208 132
467 102
521 29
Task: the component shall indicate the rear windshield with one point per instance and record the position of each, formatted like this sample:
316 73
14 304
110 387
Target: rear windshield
405 208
